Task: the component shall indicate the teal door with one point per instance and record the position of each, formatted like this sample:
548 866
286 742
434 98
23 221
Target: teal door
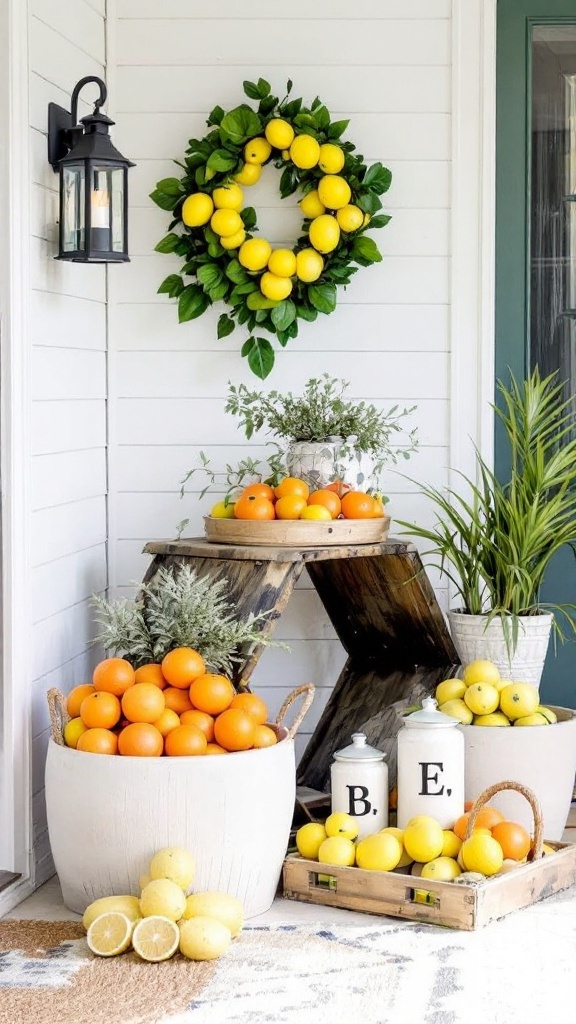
536 234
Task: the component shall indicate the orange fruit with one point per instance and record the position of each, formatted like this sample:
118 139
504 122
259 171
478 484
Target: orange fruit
488 817
181 666
212 693
201 719
513 838
185 741
339 488
253 507
215 748
177 700
140 739
75 698
253 705
292 485
150 673
264 737
460 825
468 805
168 720
143 702
100 710
235 729
98 741
258 490
290 506
329 499
113 675
357 505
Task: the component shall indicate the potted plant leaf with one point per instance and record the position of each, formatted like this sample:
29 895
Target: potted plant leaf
326 434
494 540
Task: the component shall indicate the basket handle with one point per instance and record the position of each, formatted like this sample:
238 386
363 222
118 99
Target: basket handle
535 852
58 714
307 689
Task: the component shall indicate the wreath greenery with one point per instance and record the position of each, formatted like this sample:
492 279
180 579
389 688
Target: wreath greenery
304 144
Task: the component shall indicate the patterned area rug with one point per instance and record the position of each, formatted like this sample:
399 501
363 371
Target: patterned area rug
515 971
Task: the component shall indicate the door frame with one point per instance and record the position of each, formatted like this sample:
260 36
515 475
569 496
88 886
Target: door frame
15 441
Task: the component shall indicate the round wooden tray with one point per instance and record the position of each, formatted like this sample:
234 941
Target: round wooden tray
296 533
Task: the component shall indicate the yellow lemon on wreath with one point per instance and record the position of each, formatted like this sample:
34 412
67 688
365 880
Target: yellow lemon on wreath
519 700
228 197
337 850
255 253
304 152
279 133
309 839
282 262
274 287
324 233
197 210
233 241
257 150
331 158
482 853
226 222
480 671
316 512
221 510
311 205
481 698
309 265
249 175
334 191
350 218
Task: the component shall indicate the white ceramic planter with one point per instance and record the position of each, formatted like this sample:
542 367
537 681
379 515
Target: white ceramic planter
542 757
107 816
474 637
319 463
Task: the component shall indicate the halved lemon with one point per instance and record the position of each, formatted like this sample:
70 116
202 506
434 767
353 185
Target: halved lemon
110 934
156 938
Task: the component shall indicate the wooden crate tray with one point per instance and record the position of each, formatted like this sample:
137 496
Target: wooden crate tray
296 533
465 907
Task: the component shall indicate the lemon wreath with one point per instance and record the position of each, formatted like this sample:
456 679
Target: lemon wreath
269 289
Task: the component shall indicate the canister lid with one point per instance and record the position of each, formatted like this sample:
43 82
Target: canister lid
429 715
359 750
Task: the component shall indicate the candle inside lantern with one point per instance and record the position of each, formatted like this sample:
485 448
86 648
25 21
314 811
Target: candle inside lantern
100 208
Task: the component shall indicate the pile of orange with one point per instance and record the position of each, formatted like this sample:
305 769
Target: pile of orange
175 708
513 838
292 499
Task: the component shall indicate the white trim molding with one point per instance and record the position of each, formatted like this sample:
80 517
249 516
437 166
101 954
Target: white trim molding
15 434
473 234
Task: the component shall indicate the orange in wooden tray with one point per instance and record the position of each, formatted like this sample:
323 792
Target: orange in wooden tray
259 490
253 507
292 485
358 505
329 499
513 839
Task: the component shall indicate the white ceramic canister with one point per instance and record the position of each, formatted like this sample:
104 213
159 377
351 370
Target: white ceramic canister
359 782
430 766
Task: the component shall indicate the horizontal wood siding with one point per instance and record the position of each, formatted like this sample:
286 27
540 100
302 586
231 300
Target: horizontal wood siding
68 415
386 66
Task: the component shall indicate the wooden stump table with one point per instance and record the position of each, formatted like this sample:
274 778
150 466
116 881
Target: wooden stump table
383 608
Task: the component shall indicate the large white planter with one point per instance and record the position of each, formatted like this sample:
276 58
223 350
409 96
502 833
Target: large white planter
107 816
542 757
321 462
475 637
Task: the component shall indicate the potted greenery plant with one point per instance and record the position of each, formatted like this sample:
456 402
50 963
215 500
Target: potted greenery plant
326 434
495 542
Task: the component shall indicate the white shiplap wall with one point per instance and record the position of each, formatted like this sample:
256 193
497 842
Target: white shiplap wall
386 65
68 414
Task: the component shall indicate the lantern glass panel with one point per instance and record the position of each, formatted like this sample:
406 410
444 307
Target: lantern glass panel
118 184
100 210
73 208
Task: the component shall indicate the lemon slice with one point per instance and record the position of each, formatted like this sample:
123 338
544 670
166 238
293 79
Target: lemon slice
110 934
156 938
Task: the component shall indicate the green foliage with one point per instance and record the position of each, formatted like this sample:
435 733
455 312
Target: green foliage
496 542
179 609
212 273
322 412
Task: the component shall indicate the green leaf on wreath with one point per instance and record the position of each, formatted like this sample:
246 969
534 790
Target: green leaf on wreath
263 87
305 313
378 178
209 275
170 186
367 249
164 201
283 315
323 297
288 181
168 243
337 128
236 273
380 221
248 215
260 355
215 116
240 124
256 300
172 285
225 326
368 202
220 160
251 90
192 303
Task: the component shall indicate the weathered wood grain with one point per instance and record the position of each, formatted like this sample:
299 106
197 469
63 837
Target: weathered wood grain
199 547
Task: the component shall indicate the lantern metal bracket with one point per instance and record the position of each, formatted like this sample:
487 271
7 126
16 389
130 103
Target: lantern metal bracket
63 127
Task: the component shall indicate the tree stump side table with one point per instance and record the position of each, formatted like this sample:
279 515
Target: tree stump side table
385 613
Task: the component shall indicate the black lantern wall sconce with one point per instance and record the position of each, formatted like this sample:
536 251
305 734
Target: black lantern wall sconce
93 182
